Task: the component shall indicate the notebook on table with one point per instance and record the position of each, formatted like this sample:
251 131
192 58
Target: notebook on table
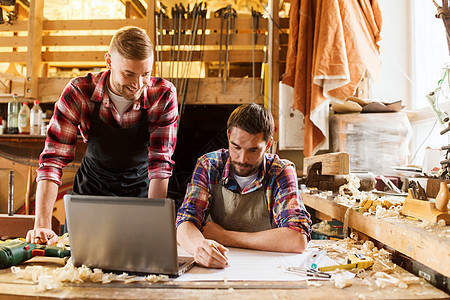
124 234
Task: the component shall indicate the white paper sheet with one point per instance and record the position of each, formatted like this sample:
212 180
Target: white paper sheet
252 265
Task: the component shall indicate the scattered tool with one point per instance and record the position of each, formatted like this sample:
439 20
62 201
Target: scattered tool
417 190
423 210
357 260
309 272
327 172
15 252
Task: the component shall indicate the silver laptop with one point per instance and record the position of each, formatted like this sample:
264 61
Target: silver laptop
134 235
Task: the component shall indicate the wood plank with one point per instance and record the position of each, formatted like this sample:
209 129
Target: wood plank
19 57
13 41
332 163
213 24
112 24
50 89
18 225
34 60
88 56
431 248
239 90
20 25
104 40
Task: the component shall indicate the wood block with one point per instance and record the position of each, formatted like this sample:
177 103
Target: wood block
18 225
332 163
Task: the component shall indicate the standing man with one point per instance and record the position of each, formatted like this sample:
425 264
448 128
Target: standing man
242 196
129 120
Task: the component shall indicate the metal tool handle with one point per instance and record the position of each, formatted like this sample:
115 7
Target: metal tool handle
11 193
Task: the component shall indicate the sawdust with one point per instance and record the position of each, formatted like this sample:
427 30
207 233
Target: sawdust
383 272
52 279
367 202
341 282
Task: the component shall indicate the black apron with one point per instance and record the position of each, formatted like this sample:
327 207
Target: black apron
116 159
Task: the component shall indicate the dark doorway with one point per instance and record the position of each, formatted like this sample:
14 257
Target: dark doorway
202 129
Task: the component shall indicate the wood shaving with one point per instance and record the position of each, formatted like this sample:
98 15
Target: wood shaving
341 282
382 212
52 279
441 223
313 283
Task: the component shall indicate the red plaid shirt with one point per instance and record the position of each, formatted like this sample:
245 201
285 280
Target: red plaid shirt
77 102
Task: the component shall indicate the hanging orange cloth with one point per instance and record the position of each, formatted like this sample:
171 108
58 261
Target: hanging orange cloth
332 43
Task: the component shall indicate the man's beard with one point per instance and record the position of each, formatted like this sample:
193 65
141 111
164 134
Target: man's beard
251 168
128 95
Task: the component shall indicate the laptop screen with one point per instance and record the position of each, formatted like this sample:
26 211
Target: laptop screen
122 233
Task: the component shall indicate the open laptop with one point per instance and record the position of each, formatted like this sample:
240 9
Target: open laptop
134 235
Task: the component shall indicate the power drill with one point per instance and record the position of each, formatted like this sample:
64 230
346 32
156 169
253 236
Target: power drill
15 252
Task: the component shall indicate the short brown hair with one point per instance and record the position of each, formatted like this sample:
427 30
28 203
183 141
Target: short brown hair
252 118
132 43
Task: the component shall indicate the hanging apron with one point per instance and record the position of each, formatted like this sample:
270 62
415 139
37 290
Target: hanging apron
116 159
240 212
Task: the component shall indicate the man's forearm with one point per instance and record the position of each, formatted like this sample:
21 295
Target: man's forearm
188 236
158 188
278 240
46 193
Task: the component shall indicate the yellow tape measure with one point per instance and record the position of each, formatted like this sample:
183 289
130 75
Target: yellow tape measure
357 260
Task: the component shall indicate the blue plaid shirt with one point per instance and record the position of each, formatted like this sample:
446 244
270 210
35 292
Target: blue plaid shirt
284 203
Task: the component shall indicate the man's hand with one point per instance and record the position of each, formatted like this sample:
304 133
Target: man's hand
211 254
42 236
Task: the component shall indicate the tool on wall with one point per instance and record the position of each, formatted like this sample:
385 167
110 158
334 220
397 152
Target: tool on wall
220 14
193 16
203 13
160 16
230 16
256 16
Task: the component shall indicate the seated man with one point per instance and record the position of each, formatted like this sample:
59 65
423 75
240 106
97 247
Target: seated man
243 197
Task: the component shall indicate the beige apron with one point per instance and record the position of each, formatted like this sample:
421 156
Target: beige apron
240 212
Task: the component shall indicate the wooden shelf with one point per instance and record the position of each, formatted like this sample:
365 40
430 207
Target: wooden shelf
431 248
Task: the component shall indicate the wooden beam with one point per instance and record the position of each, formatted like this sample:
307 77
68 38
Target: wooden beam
151 25
131 11
34 58
274 67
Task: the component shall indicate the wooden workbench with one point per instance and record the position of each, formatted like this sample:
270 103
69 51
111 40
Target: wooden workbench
430 247
10 287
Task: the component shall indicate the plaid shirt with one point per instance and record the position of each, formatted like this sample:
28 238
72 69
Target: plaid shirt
284 203
73 110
